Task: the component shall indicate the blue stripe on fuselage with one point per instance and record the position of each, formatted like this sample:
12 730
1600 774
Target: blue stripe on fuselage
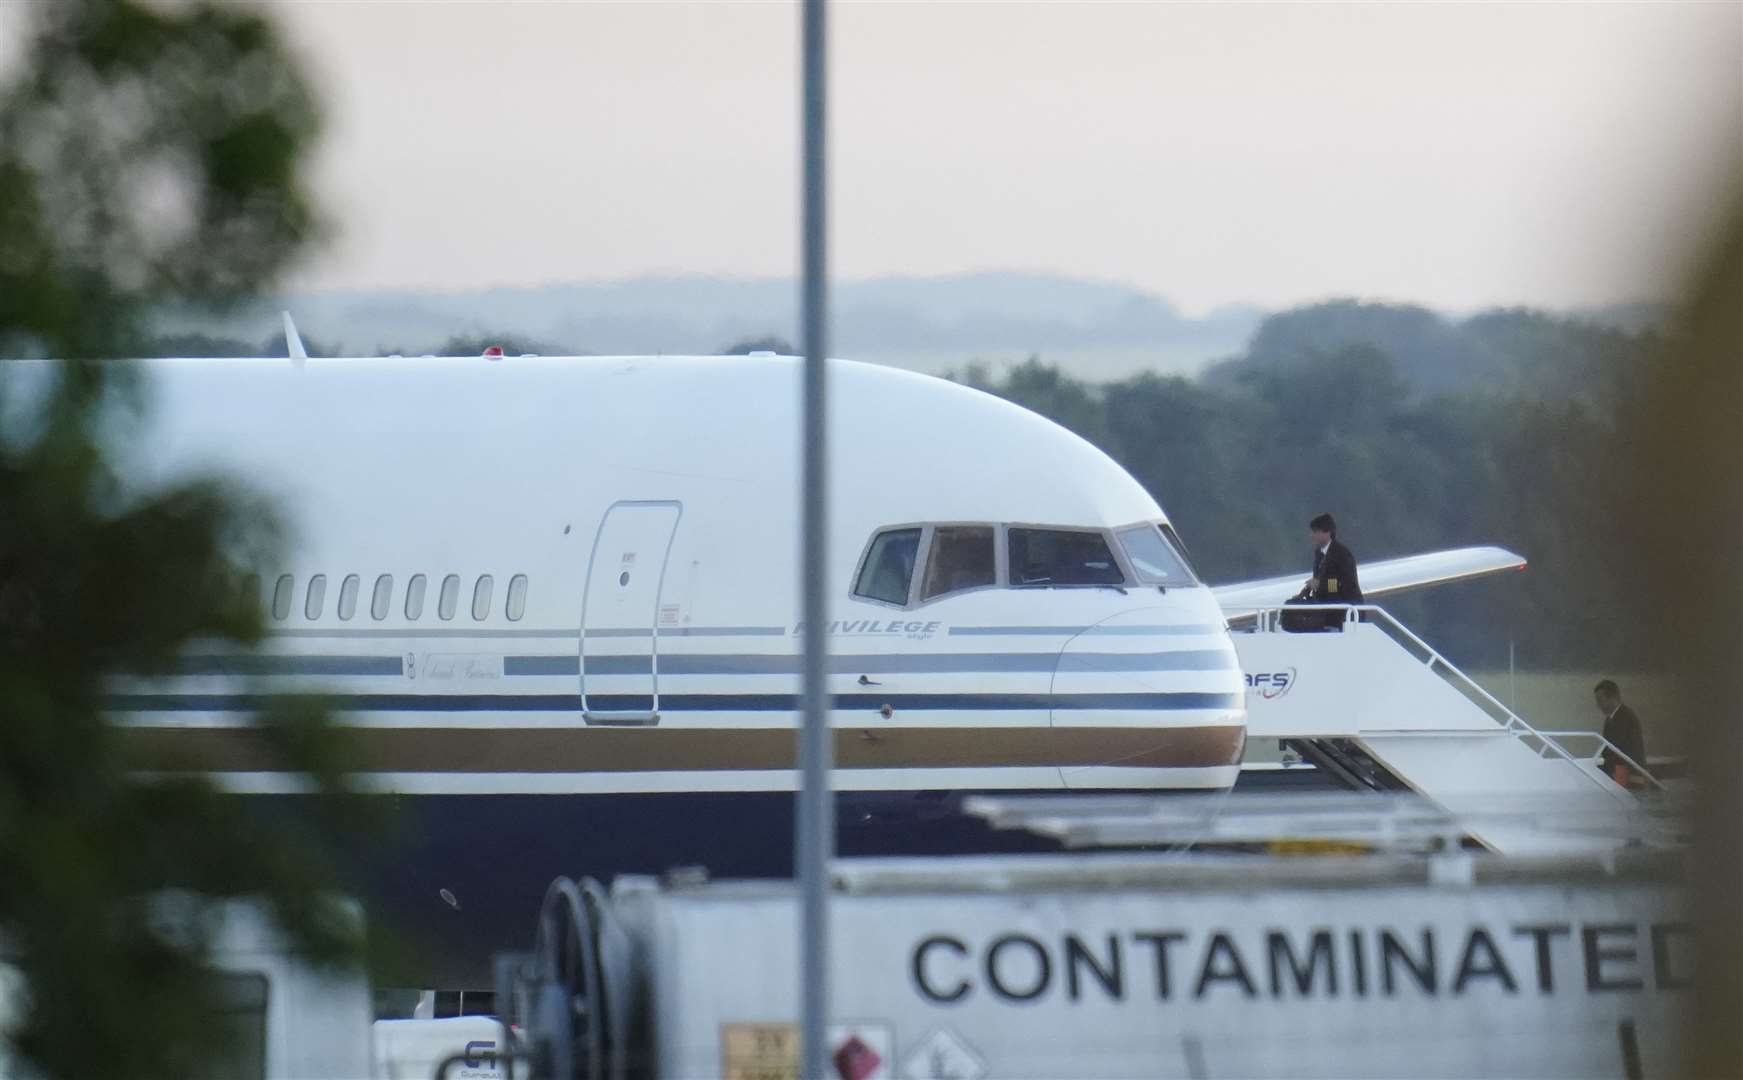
571 703
878 664
267 664
1117 630
740 664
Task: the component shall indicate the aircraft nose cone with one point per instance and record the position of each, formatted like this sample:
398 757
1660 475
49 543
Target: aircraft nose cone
1149 698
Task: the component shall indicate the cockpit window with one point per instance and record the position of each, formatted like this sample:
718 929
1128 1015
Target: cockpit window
889 566
1061 557
961 557
1154 558
1179 547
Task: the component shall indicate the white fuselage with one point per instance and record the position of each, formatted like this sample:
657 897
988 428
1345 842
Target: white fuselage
637 518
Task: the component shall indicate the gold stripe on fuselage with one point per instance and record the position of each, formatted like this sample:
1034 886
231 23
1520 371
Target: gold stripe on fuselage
606 750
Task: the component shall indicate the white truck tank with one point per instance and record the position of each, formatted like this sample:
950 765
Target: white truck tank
1130 966
463 1046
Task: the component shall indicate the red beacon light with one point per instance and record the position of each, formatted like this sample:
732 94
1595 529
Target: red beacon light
493 352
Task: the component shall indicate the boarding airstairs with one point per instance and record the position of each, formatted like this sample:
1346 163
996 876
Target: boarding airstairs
1377 707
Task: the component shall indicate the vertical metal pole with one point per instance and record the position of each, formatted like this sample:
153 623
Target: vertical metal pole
815 840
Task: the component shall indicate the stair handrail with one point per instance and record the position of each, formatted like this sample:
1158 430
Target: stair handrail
1518 725
1267 620
1606 744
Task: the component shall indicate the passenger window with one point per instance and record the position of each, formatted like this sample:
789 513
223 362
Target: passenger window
414 596
1153 558
281 596
450 596
348 596
889 566
317 596
1062 557
378 603
481 597
961 557
517 597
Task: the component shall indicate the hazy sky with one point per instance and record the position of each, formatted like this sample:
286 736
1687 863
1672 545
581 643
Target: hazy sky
1460 155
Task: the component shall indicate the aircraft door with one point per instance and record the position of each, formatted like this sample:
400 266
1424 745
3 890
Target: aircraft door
620 611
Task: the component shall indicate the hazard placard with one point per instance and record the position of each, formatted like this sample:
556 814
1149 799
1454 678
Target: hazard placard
759 1052
943 1055
862 1051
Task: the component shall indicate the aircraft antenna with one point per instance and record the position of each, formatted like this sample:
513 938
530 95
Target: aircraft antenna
293 341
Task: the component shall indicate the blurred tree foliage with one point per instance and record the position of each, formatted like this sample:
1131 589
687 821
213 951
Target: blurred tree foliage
148 153
1333 408
1685 488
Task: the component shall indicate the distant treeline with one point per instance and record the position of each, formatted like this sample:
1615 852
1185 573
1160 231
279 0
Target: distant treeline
1419 433
196 345
211 345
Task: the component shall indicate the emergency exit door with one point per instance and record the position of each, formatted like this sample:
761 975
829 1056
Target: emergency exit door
619 610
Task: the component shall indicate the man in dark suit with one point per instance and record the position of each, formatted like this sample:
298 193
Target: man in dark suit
1334 579
1622 730
1334 567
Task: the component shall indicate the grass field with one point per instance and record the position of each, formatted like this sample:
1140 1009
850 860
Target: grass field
1562 701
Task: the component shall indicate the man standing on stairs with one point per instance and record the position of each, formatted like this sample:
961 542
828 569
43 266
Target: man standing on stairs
1622 731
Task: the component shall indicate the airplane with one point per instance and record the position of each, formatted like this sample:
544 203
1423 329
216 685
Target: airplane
556 598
